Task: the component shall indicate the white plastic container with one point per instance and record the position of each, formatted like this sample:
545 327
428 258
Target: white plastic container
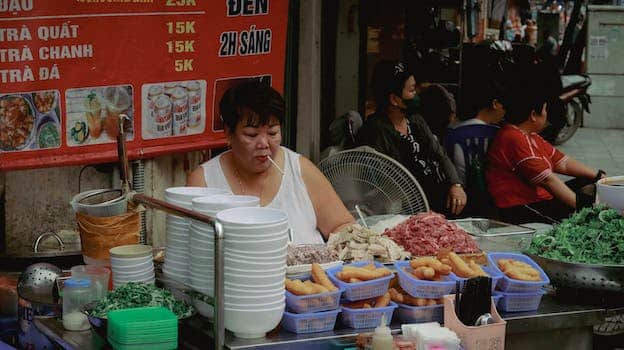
610 191
76 294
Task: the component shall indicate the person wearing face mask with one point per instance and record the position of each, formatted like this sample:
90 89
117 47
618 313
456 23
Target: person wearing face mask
253 113
395 130
522 166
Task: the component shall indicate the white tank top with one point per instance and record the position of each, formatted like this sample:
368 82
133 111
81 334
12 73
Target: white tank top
292 196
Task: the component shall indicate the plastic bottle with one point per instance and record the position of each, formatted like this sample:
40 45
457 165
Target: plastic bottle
382 337
76 293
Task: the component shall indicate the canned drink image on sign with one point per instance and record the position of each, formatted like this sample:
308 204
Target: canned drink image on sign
194 96
170 88
179 101
162 117
153 93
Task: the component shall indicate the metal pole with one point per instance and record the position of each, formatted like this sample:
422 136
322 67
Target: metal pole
219 288
219 285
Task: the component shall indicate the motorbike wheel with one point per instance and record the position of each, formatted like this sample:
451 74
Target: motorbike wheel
573 120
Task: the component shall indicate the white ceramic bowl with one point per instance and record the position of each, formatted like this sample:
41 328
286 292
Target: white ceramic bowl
182 235
256 306
121 283
186 194
256 230
611 195
242 265
174 224
257 246
201 243
178 220
218 202
265 286
180 265
257 253
259 259
253 280
252 291
201 260
172 271
247 323
203 308
181 253
201 227
254 216
232 299
131 251
125 266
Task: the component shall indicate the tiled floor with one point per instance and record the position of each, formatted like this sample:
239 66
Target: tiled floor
598 148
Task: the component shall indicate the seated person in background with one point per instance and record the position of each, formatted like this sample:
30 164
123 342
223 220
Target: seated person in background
484 106
253 113
522 165
438 109
467 142
405 136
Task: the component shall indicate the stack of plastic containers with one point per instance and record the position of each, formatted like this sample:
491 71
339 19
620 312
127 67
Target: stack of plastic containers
311 313
154 328
366 317
517 295
177 253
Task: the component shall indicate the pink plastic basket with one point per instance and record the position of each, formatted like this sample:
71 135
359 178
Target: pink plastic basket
511 285
491 336
361 290
423 289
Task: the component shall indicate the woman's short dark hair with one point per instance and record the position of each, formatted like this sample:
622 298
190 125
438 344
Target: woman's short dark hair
255 101
527 94
389 77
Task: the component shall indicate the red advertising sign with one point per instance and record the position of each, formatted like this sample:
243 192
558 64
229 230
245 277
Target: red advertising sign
69 68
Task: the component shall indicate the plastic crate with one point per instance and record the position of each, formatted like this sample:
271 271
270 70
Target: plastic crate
423 289
517 302
421 314
511 285
367 318
495 274
496 297
310 322
303 304
361 290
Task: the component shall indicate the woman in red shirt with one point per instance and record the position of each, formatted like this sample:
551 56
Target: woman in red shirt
522 166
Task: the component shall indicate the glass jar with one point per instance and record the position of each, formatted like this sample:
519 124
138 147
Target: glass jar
76 294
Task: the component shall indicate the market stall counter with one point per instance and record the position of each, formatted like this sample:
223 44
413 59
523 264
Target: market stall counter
555 324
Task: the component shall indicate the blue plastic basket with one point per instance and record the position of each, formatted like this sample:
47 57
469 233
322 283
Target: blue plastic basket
517 302
419 314
361 290
367 318
496 297
423 289
302 304
511 285
495 274
310 322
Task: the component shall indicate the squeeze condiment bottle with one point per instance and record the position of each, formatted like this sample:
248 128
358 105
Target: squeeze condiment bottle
382 338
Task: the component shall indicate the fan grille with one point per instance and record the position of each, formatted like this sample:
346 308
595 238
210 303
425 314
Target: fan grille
377 183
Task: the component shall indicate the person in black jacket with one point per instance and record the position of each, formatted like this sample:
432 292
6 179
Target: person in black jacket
396 130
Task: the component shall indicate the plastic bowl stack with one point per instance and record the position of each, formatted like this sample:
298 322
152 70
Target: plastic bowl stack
132 263
177 252
255 268
201 245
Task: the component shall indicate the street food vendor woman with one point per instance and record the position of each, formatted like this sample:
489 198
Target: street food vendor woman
253 113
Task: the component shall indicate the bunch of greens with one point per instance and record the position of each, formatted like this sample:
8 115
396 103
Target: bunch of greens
591 236
140 295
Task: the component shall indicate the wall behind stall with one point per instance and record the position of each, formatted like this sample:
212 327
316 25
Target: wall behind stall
37 201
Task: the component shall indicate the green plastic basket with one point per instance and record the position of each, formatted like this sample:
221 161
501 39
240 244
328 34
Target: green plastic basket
142 326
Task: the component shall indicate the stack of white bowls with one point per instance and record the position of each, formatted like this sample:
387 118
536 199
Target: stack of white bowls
201 244
132 263
177 252
255 268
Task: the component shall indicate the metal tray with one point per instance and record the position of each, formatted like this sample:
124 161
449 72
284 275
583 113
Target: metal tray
480 227
583 276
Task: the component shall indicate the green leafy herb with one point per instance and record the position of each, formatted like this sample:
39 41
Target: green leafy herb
140 295
591 236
